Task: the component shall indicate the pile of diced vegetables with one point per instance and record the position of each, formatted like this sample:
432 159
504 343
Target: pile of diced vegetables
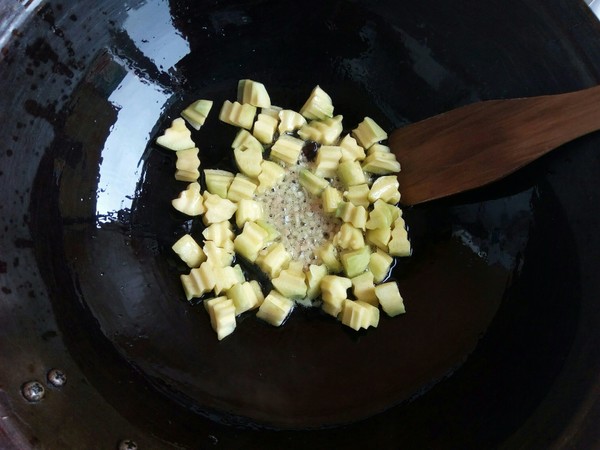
353 177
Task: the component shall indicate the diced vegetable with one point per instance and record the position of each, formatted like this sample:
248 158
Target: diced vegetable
218 209
349 238
275 308
287 149
363 288
379 264
190 201
351 151
239 115
356 215
356 262
381 163
186 167
270 175
325 132
189 251
290 283
248 211
222 316
243 296
311 182
248 160
390 299
334 292
218 181
244 139
199 281
241 187
264 128
290 121
197 112
318 106
176 137
358 195
328 160
250 241
254 93
368 133
274 259
351 173
331 198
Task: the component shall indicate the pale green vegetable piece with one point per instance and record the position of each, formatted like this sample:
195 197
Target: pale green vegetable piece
318 106
189 251
186 167
275 308
221 311
236 114
190 201
177 136
368 133
197 112
254 93
390 299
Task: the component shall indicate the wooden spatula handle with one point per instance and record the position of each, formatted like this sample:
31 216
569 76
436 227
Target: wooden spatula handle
503 136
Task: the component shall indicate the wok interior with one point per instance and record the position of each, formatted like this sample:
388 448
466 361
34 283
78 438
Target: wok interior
494 298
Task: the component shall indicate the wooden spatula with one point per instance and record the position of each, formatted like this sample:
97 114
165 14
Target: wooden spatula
477 144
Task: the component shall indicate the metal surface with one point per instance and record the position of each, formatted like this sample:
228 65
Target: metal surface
499 346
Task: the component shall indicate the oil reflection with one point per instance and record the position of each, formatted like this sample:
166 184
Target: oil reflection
140 101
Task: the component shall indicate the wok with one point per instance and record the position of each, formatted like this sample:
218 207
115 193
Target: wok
499 348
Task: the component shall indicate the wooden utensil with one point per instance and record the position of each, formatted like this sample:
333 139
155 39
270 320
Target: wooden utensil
477 144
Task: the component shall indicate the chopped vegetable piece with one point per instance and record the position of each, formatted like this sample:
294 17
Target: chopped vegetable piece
250 241
186 167
328 160
290 121
264 128
325 132
390 299
356 262
244 297
318 106
274 259
254 93
380 264
331 198
237 114
287 149
311 182
248 160
290 283
351 173
222 316
275 309
176 137
334 290
241 187
363 288
381 163
218 209
270 175
197 112
189 251
218 181
368 133
358 195
248 211
189 201
199 281
351 151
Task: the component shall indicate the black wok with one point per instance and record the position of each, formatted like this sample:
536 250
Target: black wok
499 348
